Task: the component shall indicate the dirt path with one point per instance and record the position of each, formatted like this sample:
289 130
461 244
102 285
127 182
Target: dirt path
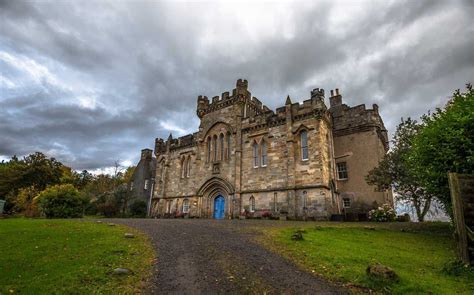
219 257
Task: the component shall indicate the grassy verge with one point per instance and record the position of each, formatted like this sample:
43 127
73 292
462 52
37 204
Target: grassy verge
41 256
421 254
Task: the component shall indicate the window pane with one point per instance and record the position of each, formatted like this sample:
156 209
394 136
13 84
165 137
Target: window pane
264 154
208 149
215 148
255 155
228 146
221 142
304 145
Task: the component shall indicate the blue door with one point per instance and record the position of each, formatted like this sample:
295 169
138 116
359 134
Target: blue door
219 203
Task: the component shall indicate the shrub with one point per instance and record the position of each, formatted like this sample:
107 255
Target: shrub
382 214
138 208
25 202
403 218
61 201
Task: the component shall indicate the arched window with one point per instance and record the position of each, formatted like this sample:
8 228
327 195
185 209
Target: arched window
188 167
208 149
264 153
215 148
221 143
186 206
255 155
304 145
229 145
252 204
183 167
305 199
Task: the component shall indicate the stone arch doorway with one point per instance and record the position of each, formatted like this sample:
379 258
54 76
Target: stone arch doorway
219 207
217 196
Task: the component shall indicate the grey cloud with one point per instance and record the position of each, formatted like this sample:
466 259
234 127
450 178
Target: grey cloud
146 62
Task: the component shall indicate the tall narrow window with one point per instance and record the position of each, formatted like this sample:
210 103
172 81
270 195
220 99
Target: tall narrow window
275 202
208 149
215 148
188 168
221 143
264 154
183 167
145 187
255 155
305 199
186 206
252 204
304 145
228 146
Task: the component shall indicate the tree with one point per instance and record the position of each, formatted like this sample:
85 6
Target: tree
61 201
35 170
396 170
445 144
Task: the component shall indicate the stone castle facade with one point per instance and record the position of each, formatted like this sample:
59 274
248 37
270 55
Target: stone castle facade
304 161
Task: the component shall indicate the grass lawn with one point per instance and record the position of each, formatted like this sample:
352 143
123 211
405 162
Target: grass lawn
40 256
419 253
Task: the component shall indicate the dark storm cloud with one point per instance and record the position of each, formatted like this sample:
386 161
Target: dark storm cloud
94 82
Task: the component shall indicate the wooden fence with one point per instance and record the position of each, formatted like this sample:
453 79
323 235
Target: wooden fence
462 196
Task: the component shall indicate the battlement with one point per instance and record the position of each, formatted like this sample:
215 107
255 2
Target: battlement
313 107
349 120
240 95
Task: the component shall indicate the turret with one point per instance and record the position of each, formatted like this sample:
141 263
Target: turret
160 146
317 98
202 104
241 87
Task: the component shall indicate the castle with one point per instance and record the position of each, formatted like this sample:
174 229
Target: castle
303 161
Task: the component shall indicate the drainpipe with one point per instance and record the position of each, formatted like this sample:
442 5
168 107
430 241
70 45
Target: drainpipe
151 196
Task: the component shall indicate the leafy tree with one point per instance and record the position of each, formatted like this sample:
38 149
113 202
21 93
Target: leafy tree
396 170
26 203
445 144
61 201
34 170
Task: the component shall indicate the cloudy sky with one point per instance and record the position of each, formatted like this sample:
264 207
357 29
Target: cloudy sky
94 82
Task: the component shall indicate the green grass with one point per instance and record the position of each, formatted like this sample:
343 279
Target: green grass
341 252
39 256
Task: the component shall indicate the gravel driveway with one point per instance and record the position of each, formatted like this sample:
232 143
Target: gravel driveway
197 256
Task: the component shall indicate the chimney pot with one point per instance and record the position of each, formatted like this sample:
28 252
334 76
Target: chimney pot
332 92
337 91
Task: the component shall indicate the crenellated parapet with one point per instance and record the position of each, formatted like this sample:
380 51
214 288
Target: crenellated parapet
310 108
349 120
239 95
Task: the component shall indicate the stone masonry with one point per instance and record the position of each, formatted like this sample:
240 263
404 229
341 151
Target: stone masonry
303 161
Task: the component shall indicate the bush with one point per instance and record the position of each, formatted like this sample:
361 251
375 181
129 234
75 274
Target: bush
138 208
61 201
382 214
403 218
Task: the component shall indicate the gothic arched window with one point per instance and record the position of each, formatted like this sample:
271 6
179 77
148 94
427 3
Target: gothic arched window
255 155
221 143
215 148
183 167
264 153
252 204
229 144
209 149
304 145
188 167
